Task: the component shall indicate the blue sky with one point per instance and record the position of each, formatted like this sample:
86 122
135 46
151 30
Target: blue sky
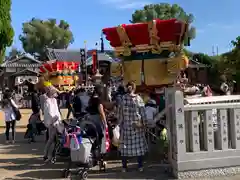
217 21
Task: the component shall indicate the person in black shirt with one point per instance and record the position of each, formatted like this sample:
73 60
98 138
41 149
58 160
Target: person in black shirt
35 102
77 104
69 99
36 111
97 114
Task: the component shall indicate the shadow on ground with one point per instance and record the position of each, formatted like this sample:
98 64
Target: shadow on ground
25 162
155 173
21 145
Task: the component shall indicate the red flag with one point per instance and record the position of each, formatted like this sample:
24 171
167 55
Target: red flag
94 61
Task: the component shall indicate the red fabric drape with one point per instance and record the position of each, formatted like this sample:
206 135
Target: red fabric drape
94 61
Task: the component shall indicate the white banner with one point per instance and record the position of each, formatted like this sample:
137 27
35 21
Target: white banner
21 79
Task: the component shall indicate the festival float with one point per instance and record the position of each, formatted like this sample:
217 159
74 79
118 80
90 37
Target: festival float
151 53
63 75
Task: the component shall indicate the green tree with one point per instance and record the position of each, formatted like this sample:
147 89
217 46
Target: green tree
164 11
6 30
38 35
236 43
204 59
231 59
228 64
188 53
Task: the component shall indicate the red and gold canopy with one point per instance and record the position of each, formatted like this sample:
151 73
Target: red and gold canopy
155 36
57 67
60 73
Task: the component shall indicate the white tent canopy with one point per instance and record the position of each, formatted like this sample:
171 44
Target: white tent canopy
101 57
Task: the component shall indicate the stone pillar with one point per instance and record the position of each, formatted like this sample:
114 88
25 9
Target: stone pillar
176 127
235 128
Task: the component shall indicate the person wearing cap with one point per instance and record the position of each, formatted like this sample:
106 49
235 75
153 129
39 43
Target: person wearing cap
151 111
52 119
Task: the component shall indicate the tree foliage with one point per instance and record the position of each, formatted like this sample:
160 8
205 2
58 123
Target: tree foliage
228 64
188 53
38 35
204 59
164 11
6 30
230 61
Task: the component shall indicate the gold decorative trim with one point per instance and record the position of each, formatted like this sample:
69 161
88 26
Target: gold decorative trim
154 39
146 48
126 43
142 48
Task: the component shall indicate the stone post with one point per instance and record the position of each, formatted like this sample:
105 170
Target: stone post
176 127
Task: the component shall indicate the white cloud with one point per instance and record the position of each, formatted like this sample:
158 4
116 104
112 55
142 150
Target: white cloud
132 5
223 26
125 4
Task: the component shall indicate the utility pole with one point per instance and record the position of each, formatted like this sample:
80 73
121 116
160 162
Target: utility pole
213 52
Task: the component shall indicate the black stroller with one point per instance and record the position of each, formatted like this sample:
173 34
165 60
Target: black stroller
88 154
59 149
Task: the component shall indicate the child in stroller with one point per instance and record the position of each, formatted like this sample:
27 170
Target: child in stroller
32 129
85 148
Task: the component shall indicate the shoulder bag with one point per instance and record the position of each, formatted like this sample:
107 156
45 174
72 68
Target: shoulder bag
16 111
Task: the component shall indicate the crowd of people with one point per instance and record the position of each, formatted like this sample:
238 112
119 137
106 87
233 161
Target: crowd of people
129 109
132 113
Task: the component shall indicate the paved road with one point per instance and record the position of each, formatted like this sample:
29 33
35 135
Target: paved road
24 161
25 116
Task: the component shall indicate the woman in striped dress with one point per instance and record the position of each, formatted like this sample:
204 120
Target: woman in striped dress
132 118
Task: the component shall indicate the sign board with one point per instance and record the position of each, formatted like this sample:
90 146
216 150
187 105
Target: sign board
83 59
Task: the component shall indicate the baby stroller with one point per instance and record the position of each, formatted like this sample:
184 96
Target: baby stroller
86 153
60 147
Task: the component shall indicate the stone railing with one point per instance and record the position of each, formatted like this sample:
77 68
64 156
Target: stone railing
204 135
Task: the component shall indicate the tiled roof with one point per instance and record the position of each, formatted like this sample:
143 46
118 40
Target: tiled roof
63 55
196 64
14 62
73 55
25 72
17 65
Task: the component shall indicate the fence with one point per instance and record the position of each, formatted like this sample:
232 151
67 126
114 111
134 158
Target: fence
196 145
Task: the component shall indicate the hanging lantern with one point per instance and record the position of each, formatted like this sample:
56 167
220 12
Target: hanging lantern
59 77
186 60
